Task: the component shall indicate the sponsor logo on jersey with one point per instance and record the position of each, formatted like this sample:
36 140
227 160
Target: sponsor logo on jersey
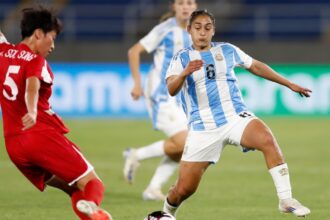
218 57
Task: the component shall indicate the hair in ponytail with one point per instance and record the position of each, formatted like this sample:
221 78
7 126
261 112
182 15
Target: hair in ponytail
168 14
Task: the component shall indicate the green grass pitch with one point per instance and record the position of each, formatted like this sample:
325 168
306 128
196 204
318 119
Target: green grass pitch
236 188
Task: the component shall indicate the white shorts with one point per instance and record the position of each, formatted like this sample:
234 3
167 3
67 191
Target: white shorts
204 146
167 116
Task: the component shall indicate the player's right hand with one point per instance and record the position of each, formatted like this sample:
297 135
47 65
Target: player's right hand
193 66
136 92
29 120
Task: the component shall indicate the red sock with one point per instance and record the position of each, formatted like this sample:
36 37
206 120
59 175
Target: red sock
75 197
94 191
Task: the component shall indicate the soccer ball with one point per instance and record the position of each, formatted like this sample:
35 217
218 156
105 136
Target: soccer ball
159 215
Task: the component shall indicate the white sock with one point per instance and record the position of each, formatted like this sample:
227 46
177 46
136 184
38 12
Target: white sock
164 171
155 149
281 178
170 208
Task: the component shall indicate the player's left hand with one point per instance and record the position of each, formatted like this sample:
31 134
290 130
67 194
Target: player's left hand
29 120
303 92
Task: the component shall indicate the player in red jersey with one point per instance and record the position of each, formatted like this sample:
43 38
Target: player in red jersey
34 134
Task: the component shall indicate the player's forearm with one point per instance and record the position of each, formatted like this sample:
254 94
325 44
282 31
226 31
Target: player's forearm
135 69
261 69
134 64
175 83
32 94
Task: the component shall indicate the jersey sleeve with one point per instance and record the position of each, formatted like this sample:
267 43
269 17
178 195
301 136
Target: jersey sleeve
151 41
34 68
241 58
175 67
37 67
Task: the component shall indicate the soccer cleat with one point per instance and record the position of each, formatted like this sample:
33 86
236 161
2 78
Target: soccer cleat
92 210
131 164
293 206
152 194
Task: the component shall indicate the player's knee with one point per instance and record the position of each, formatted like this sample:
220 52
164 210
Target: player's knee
268 142
81 183
175 157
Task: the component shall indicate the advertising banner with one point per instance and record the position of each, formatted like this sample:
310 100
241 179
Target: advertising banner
103 90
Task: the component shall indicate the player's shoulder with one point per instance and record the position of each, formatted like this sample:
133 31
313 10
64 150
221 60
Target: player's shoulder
38 61
183 52
165 26
229 47
223 45
167 23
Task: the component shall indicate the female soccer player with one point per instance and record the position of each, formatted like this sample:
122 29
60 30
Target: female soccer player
34 134
166 114
217 114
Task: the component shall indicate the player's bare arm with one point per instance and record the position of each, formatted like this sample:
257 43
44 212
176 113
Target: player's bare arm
134 64
263 70
31 101
174 83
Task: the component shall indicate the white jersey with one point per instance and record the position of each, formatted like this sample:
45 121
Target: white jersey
211 96
165 40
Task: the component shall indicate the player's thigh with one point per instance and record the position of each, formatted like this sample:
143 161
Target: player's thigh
20 157
174 145
178 140
235 128
67 162
56 154
257 135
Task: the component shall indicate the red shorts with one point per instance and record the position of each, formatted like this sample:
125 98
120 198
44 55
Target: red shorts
40 155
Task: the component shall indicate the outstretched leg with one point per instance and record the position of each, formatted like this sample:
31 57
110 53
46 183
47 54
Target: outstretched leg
93 192
258 136
75 193
86 196
190 175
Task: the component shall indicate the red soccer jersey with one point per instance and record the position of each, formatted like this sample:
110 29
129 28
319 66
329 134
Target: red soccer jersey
17 63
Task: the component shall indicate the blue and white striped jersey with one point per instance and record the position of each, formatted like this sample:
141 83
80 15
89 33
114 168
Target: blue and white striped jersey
211 95
165 40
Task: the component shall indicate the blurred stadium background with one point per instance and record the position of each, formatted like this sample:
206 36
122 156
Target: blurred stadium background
91 53
276 31
92 80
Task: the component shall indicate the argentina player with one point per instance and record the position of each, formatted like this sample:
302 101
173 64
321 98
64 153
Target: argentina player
217 115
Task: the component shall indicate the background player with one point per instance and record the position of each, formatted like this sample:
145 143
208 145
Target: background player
217 114
166 114
34 134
